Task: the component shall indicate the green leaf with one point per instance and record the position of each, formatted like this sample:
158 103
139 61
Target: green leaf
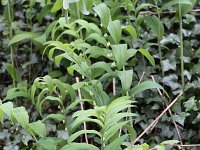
97 37
126 78
53 98
23 36
170 142
104 13
120 54
148 56
160 147
21 116
15 92
12 71
4 2
77 134
38 128
57 5
145 86
131 131
49 82
102 65
47 144
174 2
131 30
7 108
143 5
141 147
115 145
79 146
56 117
156 25
114 28
112 130
76 102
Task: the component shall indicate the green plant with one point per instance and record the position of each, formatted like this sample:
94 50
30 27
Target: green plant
87 87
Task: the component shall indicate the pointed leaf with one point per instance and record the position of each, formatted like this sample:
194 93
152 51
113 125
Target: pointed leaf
79 146
38 128
21 116
145 86
114 28
126 77
120 54
174 2
148 56
104 13
116 143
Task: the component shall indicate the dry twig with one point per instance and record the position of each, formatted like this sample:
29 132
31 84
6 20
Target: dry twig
157 119
82 108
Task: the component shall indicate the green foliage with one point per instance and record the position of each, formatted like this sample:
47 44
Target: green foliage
113 48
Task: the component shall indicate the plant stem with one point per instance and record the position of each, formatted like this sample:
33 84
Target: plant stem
11 36
181 48
159 46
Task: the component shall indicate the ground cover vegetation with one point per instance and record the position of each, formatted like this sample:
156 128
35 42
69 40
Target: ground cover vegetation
99 75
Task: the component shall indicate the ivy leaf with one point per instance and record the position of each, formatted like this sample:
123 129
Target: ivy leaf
114 28
104 13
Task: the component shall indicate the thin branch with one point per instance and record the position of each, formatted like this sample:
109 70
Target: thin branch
157 119
82 108
114 86
170 112
164 13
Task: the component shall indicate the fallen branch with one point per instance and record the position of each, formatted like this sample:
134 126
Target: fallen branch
157 119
